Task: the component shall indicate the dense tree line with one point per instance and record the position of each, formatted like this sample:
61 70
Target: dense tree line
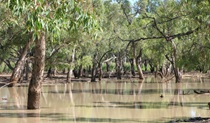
102 38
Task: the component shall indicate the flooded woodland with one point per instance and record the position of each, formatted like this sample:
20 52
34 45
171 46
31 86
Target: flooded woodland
104 61
125 101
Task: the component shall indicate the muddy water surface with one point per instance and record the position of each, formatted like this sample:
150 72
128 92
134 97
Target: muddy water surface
105 102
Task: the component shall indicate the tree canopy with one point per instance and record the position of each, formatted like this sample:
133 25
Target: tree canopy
94 33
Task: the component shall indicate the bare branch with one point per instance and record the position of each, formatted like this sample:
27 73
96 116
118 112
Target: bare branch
107 60
7 62
104 55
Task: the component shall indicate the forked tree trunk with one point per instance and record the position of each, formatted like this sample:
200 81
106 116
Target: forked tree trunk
100 71
178 76
34 90
20 64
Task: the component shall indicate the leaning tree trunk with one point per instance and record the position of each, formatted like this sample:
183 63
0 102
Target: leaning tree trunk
138 60
27 70
140 72
177 74
19 66
34 90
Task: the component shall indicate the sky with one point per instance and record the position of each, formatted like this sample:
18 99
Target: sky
132 1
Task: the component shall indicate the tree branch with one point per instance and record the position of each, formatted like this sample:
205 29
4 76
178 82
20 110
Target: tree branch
167 57
7 62
126 15
104 55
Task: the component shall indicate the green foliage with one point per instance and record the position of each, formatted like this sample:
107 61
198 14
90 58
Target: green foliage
52 16
98 26
112 66
86 61
127 67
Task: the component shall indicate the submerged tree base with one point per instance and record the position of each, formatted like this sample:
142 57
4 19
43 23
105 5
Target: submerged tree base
33 99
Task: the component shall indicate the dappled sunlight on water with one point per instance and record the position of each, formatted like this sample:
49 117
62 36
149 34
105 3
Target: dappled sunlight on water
102 102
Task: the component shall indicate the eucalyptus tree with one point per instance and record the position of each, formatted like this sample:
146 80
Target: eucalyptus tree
41 17
114 23
59 51
13 39
82 54
198 50
101 40
174 26
136 26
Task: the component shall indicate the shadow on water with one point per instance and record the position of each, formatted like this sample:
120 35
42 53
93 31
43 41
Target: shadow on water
27 115
129 105
92 120
109 91
145 105
61 117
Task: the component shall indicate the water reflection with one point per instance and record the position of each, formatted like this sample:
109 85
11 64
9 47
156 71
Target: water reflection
122 101
12 99
178 98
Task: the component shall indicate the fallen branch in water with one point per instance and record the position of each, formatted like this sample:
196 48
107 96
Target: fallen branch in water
5 85
201 92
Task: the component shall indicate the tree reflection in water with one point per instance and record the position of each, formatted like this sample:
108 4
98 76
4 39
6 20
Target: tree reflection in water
178 95
107 101
17 96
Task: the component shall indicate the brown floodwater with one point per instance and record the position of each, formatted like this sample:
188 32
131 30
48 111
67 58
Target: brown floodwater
110 101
